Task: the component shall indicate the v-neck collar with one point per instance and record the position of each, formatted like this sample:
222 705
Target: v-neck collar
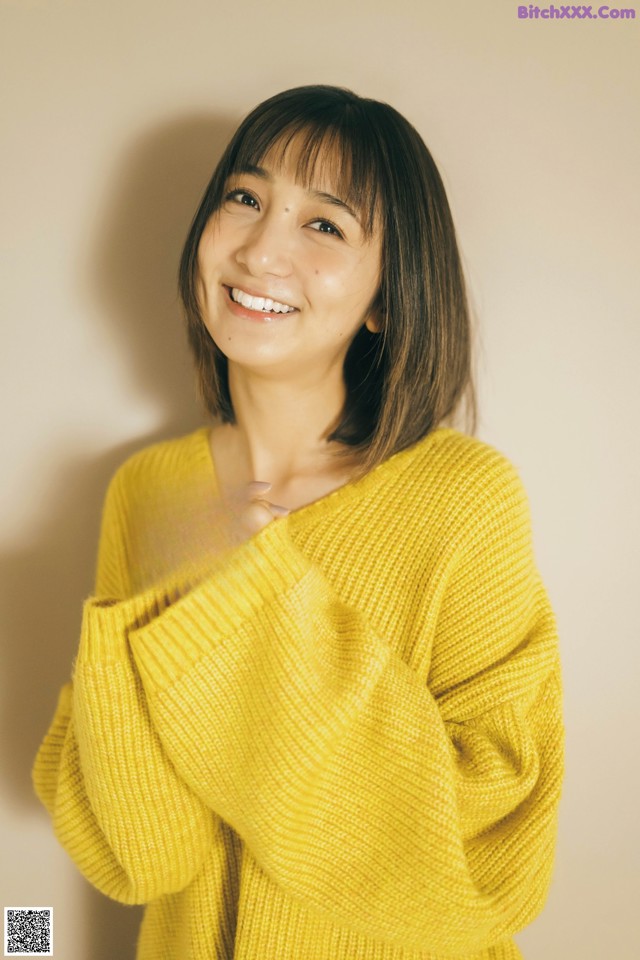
347 491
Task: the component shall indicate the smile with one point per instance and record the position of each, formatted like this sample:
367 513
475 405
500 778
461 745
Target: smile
259 304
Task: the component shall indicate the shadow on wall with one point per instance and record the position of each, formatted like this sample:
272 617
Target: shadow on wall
130 272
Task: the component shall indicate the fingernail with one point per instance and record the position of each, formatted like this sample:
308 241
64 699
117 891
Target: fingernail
258 486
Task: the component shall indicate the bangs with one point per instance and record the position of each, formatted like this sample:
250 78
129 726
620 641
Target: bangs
341 157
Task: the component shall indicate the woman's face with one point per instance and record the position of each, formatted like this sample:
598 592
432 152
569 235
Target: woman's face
274 240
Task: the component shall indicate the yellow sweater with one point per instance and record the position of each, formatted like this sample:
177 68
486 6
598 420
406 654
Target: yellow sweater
343 742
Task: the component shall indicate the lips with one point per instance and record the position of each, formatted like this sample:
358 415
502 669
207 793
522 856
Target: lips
257 316
255 302
239 292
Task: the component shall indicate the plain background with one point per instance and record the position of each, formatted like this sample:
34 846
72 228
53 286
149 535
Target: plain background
113 117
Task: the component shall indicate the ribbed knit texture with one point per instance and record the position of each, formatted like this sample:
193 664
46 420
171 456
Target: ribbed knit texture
344 741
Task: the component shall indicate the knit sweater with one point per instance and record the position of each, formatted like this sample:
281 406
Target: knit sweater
343 740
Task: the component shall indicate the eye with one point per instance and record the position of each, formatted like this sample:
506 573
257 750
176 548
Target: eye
332 231
234 194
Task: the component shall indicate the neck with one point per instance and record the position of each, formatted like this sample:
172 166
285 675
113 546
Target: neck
280 426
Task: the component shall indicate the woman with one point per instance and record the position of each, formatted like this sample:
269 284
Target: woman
316 710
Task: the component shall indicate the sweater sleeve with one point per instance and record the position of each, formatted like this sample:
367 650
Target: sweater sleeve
118 807
421 814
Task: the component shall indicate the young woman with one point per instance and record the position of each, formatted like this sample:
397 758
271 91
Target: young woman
316 710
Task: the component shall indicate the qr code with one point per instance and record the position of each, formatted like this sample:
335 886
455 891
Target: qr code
28 931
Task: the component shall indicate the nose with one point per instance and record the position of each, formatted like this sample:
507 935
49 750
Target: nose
266 247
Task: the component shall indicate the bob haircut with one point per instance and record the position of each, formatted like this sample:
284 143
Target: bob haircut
409 378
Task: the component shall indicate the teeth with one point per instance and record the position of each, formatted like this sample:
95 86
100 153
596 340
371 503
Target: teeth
263 304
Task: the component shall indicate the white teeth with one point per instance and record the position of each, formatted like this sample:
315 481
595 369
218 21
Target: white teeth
263 304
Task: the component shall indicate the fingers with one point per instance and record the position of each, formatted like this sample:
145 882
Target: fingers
277 509
257 515
257 487
260 512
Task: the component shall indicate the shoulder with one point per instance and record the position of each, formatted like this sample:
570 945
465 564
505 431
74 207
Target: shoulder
155 500
467 483
472 464
464 465
162 479
161 466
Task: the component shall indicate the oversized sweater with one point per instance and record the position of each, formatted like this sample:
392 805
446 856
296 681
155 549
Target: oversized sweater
342 741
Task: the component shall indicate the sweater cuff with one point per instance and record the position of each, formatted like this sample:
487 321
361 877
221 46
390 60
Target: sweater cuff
251 576
106 624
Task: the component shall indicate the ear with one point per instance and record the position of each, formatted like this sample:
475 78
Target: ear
373 323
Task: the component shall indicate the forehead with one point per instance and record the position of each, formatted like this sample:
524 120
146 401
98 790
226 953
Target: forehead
319 161
319 166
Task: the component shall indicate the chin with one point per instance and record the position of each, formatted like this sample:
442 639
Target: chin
245 354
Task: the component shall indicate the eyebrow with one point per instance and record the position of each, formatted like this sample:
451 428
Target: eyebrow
316 194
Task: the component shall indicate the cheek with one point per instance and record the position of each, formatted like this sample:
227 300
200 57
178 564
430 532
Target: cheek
206 245
204 254
333 278
201 290
210 243
205 265
346 289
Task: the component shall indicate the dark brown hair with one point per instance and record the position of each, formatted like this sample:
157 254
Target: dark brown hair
411 377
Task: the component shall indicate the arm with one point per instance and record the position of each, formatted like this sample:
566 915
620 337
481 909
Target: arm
421 815
118 807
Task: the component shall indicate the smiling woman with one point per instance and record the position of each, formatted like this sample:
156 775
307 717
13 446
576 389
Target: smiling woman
343 200
316 710
282 293
319 281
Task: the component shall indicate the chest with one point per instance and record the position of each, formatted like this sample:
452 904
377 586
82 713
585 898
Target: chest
292 492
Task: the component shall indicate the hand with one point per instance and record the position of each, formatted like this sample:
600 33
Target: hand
185 540
252 514
244 513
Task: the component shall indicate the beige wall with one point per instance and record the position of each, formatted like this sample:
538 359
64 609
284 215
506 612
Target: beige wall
113 115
